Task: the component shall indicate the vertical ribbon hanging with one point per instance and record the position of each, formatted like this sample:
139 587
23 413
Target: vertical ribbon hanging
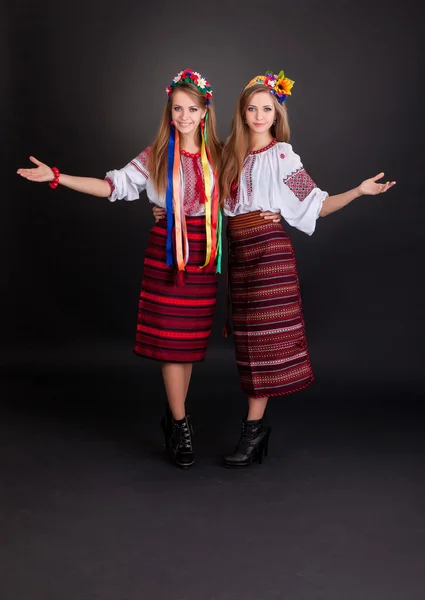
207 183
177 253
213 215
169 199
219 241
179 217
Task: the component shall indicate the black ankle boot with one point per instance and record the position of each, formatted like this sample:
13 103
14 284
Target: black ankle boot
178 440
252 445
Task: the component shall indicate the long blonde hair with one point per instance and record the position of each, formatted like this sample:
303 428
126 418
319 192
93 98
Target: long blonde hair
237 148
158 156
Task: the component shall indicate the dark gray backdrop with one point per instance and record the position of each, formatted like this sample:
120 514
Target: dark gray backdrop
84 90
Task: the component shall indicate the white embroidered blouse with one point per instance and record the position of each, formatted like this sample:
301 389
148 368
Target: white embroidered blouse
274 179
128 183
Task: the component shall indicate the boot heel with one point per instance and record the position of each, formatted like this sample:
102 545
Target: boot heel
164 431
266 442
263 449
260 454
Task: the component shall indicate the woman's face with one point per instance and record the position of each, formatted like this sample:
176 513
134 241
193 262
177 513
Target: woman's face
186 113
260 112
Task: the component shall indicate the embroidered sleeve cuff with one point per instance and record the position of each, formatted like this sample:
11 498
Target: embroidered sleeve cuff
112 187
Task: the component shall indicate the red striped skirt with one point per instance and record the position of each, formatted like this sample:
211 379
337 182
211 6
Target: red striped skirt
174 322
270 340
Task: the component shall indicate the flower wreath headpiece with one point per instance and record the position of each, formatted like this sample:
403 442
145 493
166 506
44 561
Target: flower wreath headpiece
279 85
178 249
189 76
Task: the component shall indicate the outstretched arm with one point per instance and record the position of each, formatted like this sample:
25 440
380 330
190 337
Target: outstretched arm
86 185
369 187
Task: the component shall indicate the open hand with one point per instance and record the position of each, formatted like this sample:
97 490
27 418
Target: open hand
370 187
41 173
159 213
271 216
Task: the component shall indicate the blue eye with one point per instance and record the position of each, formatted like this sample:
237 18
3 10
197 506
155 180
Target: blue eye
267 109
192 109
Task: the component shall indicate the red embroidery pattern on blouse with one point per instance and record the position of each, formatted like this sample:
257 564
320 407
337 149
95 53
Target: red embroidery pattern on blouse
272 143
194 187
230 203
111 184
282 155
300 182
249 165
233 201
141 161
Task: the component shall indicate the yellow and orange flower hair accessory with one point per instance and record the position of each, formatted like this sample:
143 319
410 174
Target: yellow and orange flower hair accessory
278 85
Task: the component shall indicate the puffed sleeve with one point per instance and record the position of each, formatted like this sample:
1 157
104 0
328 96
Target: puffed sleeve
299 199
127 183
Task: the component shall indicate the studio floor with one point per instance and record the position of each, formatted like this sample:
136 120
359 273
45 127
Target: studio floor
91 507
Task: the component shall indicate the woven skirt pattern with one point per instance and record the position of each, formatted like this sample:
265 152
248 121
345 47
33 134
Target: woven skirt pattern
270 340
174 321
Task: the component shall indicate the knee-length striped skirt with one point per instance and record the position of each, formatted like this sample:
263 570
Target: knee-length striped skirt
174 321
268 324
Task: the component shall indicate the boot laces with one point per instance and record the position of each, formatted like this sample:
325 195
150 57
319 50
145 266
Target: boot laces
250 432
185 440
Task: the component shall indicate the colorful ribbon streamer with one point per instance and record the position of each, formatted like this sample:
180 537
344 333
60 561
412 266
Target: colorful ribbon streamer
169 199
182 246
175 207
214 223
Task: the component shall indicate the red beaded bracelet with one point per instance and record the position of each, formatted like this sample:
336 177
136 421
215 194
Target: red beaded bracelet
54 184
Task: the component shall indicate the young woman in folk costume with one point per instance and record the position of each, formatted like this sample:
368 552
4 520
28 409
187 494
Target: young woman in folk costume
179 285
261 172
